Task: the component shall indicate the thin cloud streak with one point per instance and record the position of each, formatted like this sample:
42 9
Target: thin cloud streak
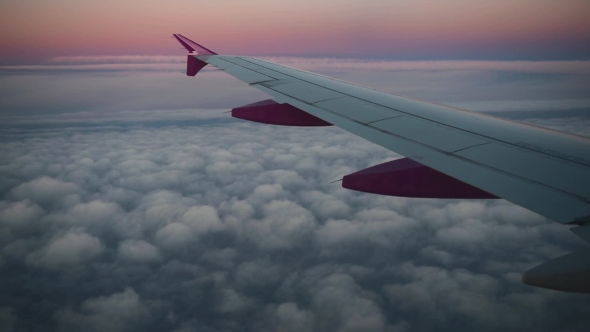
155 63
115 59
74 89
148 67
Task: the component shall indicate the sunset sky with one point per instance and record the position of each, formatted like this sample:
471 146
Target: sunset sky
424 29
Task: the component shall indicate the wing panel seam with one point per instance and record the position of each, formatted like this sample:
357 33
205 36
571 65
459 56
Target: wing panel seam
470 147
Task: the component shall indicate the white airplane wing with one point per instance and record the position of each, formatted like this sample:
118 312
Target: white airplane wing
450 153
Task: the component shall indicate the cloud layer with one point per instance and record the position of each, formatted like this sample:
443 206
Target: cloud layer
120 90
235 226
130 202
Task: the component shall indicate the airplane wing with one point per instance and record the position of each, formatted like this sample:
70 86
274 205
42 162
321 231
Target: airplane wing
450 153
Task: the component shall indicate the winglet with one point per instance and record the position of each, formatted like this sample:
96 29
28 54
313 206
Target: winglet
194 65
191 46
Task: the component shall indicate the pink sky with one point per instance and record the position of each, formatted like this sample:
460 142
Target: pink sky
452 29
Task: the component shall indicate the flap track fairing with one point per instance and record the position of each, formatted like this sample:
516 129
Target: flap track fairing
407 178
271 112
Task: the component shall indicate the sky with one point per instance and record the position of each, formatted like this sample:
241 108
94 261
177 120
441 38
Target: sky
424 29
131 201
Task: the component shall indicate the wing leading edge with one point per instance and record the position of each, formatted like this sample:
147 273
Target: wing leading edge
545 171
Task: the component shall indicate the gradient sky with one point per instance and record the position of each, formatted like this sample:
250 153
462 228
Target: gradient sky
456 29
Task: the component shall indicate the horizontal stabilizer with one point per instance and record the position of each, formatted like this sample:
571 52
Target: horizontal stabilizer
271 112
407 178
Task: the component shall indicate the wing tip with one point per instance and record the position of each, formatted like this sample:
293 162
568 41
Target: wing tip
192 46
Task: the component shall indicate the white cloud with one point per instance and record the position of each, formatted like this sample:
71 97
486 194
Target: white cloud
242 209
473 297
117 312
20 215
117 59
271 234
44 190
73 248
273 240
290 318
226 225
220 257
268 192
285 224
202 219
93 213
325 205
231 301
174 236
344 306
258 273
138 251
161 62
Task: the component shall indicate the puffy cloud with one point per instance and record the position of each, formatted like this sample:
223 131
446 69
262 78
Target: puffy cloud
7 319
325 205
116 312
285 225
231 301
73 248
202 219
220 257
174 236
93 213
44 190
20 215
283 246
268 192
468 296
288 317
344 306
261 243
138 251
